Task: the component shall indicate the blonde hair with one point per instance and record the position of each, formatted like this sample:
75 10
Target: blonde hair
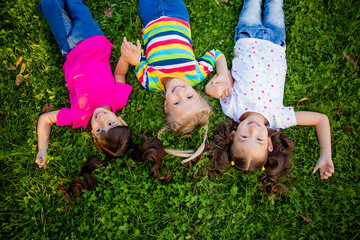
190 122
188 154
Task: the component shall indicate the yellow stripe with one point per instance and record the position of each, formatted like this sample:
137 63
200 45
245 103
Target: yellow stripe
171 47
164 23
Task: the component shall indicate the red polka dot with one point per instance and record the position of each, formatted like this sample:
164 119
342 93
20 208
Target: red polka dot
259 98
252 89
270 100
249 55
268 65
265 107
272 51
246 108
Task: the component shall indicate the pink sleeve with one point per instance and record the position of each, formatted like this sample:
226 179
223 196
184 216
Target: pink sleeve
120 95
64 117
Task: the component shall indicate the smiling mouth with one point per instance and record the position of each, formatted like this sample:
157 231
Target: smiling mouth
99 114
177 87
253 122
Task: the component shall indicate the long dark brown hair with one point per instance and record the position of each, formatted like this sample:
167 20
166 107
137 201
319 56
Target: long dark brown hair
112 143
275 163
152 150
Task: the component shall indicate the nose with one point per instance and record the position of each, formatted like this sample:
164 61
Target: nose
180 93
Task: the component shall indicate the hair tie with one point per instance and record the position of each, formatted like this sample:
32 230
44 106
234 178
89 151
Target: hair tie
263 168
232 163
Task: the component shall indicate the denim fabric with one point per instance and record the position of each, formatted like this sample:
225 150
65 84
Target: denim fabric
70 22
272 28
150 10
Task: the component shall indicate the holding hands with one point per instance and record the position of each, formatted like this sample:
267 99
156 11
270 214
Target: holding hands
130 52
220 86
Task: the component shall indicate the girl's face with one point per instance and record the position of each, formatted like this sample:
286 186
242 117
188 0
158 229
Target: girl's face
181 99
103 119
251 140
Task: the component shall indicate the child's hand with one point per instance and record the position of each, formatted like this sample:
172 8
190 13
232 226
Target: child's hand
219 86
41 158
325 165
130 52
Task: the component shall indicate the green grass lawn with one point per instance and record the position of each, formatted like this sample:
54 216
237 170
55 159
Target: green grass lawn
130 204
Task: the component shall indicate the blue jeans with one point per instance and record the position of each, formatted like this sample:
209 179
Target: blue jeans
272 28
70 22
150 10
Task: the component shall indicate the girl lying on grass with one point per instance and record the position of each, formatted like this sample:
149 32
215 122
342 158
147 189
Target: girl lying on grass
95 95
168 64
254 98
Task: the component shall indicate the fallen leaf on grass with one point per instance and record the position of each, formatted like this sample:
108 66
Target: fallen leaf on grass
137 20
139 108
19 79
340 110
19 61
48 107
185 136
347 128
303 99
22 69
26 76
12 67
305 218
123 110
108 11
351 60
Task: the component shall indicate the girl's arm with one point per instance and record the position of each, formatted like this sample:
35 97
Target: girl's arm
121 69
321 123
43 133
220 85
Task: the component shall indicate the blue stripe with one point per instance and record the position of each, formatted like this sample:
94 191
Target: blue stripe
170 62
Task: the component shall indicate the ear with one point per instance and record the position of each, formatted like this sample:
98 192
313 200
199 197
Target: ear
232 134
165 106
270 146
122 121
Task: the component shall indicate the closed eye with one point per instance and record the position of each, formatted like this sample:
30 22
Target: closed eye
176 103
190 96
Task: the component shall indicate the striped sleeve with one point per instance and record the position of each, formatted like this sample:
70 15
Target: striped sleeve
140 71
208 61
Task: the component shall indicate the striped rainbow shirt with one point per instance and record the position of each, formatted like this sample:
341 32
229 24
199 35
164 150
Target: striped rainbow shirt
168 53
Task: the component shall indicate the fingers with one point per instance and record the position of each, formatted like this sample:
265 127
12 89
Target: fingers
326 174
315 169
138 46
41 161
